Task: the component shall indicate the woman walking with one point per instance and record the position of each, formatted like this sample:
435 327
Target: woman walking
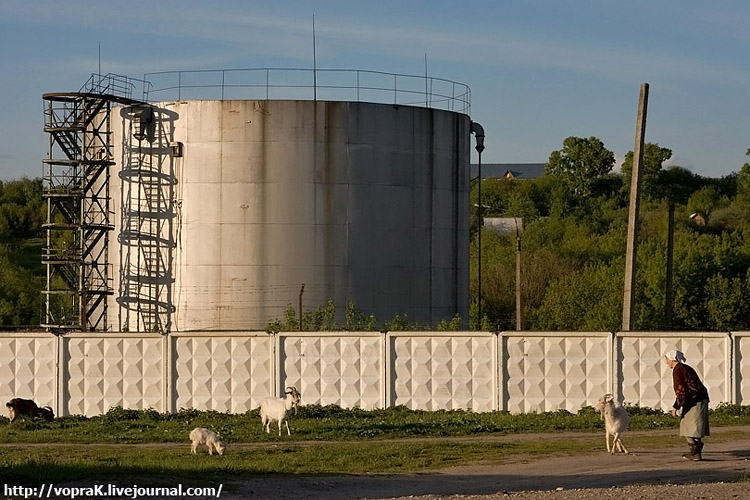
691 403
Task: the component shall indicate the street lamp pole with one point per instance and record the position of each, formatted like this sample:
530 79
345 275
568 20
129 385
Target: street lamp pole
478 132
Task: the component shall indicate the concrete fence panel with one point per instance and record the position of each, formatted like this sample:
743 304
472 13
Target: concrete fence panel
443 370
28 368
100 371
548 371
221 371
645 380
741 367
345 369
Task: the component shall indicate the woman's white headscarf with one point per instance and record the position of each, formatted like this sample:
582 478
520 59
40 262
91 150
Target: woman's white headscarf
675 355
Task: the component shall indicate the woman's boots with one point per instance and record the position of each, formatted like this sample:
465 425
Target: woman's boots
696 447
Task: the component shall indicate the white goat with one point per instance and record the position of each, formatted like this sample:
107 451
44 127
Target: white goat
201 435
615 422
277 409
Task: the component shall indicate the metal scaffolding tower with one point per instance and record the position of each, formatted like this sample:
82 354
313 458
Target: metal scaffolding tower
77 170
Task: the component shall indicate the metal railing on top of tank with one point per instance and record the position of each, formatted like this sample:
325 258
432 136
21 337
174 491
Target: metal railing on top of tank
113 84
309 84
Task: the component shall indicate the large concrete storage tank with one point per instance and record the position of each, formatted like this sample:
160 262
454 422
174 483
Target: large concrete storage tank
224 208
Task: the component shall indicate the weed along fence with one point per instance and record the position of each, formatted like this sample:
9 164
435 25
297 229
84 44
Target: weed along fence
89 373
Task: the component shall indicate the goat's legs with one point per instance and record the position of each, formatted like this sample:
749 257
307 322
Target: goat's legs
283 422
606 439
193 447
620 445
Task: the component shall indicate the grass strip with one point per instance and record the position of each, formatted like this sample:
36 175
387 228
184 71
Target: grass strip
329 423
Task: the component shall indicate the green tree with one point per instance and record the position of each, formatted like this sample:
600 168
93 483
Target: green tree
727 304
705 266
356 320
654 157
554 199
21 210
20 294
703 201
521 205
580 163
742 199
587 301
677 184
322 319
453 326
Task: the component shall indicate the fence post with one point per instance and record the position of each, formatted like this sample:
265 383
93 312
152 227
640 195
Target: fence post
169 374
276 363
385 375
613 367
59 374
499 373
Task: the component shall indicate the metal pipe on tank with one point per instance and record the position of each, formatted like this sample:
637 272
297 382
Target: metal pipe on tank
478 132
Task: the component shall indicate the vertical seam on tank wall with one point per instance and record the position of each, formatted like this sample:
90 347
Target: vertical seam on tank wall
331 111
316 228
347 142
456 163
431 162
220 302
260 272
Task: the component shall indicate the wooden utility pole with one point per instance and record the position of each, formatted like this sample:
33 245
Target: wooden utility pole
635 183
519 304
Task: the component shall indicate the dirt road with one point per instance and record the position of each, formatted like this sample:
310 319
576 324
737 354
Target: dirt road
644 475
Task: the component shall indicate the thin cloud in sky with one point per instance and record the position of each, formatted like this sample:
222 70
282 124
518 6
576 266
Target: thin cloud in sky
498 50
252 35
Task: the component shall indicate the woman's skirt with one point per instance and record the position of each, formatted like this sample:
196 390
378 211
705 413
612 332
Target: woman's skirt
695 422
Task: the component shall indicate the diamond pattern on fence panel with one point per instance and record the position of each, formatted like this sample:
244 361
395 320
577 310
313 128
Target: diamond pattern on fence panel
741 368
553 371
647 381
218 372
434 371
103 372
27 368
345 370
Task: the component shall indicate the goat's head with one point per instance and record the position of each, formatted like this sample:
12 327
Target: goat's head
295 396
604 401
11 411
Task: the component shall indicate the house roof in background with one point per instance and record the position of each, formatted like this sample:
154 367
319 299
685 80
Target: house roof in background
513 170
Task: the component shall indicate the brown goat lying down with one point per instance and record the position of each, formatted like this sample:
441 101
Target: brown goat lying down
18 407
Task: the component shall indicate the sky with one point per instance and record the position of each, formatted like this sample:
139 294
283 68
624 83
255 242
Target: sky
539 70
